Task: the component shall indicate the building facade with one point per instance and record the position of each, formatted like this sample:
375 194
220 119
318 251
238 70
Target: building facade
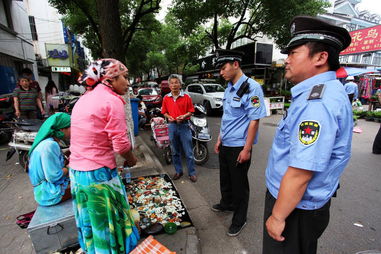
16 44
59 53
345 13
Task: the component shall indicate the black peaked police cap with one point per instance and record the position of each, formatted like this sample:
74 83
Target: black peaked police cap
223 56
308 29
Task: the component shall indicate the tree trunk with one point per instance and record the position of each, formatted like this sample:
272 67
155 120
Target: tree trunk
112 42
110 29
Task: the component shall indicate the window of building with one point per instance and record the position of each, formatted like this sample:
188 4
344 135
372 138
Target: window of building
344 59
366 58
377 59
33 28
4 14
356 58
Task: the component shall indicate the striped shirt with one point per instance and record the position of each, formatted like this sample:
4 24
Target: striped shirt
27 98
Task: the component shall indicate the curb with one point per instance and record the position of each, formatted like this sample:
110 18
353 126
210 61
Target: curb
192 243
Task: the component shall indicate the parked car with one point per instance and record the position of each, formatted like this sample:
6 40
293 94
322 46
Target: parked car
209 95
151 97
150 84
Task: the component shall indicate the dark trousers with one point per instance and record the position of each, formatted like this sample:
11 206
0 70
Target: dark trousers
28 114
377 143
234 183
350 96
302 231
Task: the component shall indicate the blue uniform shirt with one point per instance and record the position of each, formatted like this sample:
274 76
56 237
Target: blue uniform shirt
350 88
238 112
315 135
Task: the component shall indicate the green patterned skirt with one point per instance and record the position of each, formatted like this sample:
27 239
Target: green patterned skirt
102 212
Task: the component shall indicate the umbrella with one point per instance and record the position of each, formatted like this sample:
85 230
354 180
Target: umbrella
343 72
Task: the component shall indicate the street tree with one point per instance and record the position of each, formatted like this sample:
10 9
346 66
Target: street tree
227 21
108 26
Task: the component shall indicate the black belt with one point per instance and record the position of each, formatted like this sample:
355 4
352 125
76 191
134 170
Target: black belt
183 122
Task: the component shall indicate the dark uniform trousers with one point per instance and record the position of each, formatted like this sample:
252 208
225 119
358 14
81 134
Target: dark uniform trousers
350 96
234 183
377 142
302 231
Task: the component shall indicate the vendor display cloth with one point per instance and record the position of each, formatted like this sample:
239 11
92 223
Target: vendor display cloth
157 201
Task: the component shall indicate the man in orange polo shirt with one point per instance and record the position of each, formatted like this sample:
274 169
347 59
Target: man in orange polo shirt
177 108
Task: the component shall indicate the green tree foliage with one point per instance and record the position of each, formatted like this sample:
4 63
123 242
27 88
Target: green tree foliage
108 26
228 21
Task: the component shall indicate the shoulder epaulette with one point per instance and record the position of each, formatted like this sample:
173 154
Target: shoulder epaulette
244 88
316 92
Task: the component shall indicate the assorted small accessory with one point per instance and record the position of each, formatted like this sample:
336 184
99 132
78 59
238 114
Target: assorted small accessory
157 201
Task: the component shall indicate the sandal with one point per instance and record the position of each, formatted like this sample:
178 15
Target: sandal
23 220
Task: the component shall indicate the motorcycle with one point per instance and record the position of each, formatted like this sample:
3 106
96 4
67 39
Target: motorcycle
24 133
67 102
6 113
200 134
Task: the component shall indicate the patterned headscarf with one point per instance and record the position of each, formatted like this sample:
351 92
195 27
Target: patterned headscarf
51 128
101 70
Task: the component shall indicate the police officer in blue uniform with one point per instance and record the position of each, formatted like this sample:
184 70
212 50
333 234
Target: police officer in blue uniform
312 144
243 106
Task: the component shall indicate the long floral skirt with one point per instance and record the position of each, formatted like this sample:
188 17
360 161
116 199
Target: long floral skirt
102 212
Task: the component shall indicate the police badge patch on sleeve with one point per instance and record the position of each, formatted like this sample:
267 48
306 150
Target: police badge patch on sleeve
255 101
309 132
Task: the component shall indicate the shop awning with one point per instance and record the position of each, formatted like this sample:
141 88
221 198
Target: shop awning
344 72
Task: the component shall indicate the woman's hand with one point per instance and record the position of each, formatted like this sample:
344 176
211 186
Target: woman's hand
65 171
130 159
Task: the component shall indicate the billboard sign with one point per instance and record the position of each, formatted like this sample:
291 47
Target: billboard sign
364 40
58 54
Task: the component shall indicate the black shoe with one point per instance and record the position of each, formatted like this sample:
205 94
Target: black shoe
177 176
235 230
220 208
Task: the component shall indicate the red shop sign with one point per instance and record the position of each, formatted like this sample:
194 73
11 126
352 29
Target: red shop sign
364 40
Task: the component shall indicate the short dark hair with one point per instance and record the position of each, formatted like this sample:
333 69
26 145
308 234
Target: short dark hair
333 54
26 71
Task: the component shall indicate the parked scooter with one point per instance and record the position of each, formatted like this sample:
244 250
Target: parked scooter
200 135
6 113
24 133
67 102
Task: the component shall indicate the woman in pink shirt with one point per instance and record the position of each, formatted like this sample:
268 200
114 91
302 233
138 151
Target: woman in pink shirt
98 127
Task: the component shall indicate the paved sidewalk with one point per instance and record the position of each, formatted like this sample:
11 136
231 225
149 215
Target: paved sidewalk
16 197
209 232
183 241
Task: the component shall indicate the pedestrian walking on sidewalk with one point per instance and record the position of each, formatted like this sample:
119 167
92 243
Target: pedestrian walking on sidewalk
243 106
98 130
312 144
177 107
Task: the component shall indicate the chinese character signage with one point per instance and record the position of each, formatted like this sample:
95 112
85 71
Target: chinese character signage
57 54
364 40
